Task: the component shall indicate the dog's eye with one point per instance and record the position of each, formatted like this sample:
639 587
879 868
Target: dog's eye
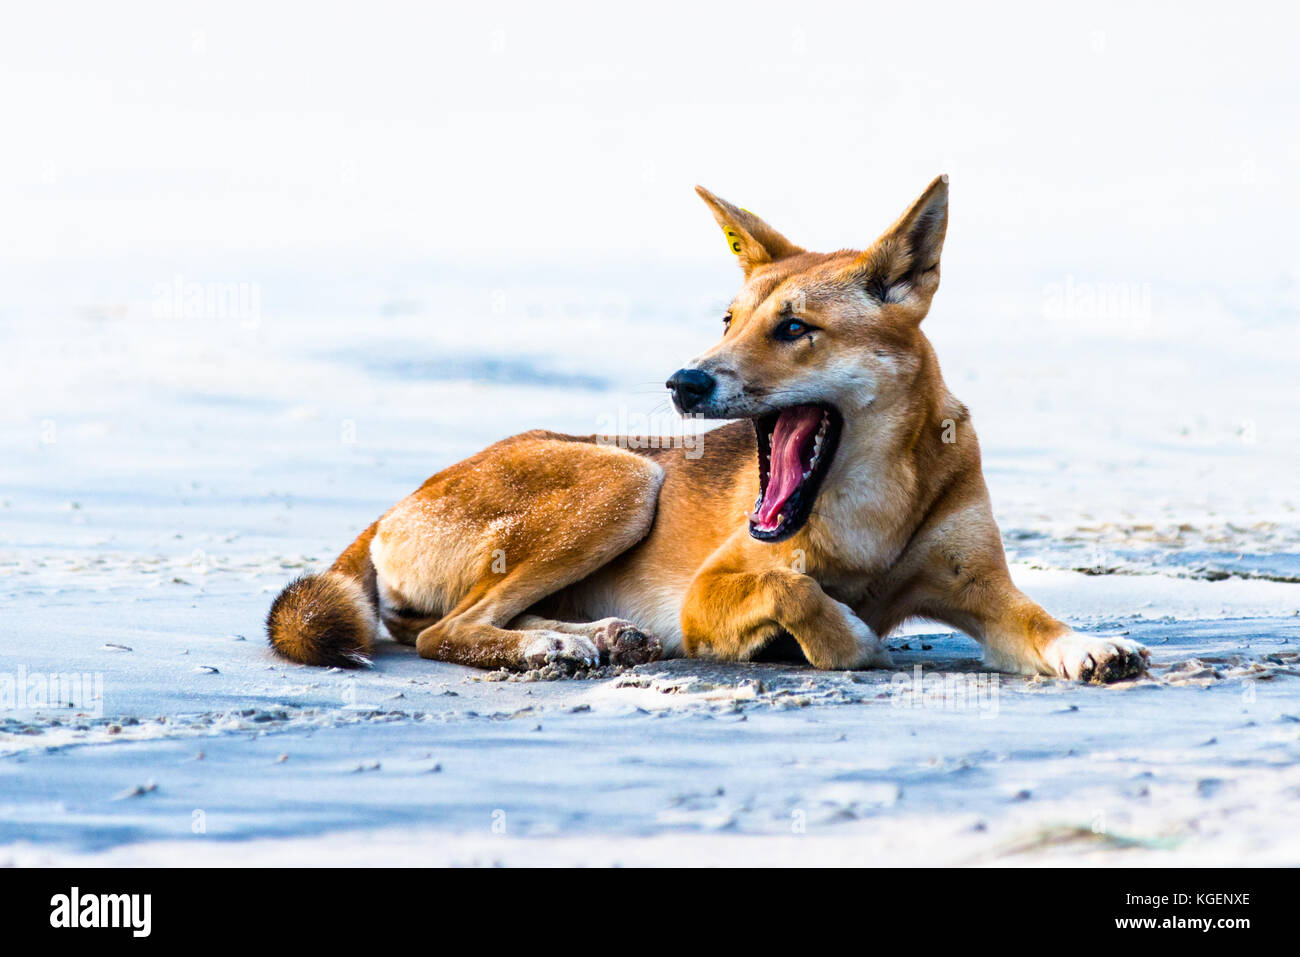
790 330
726 322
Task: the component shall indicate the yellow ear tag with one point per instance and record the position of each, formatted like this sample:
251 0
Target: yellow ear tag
733 240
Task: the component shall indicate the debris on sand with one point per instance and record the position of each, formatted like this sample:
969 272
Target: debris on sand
138 790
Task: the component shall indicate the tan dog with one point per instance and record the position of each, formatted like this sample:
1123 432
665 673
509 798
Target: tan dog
847 498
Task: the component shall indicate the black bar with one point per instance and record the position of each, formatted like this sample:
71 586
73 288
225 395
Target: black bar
320 904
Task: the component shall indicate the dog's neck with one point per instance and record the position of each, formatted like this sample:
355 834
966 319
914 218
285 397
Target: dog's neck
890 468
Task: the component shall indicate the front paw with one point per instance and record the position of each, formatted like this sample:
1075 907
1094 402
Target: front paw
1095 659
870 651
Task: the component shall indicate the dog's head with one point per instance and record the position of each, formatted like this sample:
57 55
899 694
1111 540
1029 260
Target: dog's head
814 344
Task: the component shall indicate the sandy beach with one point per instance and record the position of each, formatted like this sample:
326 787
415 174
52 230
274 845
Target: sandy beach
165 477
265 268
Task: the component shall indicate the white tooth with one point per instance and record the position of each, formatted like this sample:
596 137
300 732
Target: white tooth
780 519
806 474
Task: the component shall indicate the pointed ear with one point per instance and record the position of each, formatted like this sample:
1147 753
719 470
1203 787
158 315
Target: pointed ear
903 264
751 239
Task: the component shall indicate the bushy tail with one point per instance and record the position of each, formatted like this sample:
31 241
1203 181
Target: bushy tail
331 618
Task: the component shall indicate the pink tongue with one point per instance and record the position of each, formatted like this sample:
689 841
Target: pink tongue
793 429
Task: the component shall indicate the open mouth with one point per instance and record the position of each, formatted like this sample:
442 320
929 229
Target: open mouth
795 449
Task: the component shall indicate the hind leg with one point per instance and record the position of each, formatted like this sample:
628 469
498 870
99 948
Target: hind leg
486 646
463 558
473 634
619 642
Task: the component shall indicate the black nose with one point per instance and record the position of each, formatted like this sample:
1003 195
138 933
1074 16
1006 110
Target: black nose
690 388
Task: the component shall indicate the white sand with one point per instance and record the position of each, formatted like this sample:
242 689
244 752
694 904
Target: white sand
164 478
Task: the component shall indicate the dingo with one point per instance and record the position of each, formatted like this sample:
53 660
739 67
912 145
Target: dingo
846 497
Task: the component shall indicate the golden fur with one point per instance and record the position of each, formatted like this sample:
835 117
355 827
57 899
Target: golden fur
547 547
